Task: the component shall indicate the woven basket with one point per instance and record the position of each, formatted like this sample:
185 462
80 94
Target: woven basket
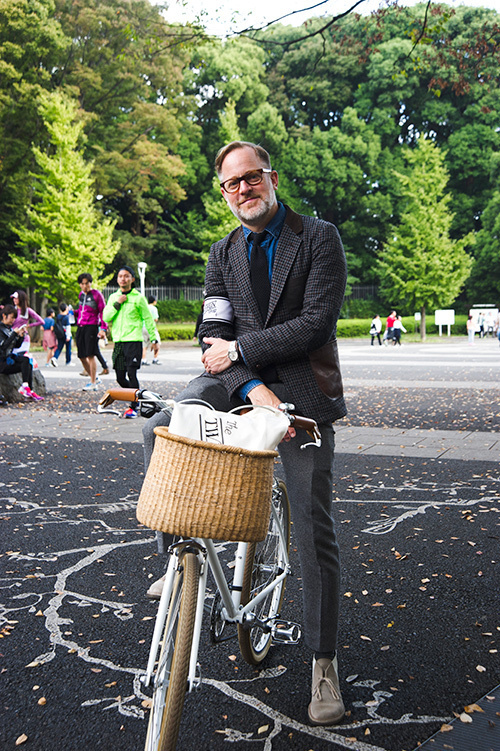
198 489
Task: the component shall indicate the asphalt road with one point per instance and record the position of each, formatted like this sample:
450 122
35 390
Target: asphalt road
419 537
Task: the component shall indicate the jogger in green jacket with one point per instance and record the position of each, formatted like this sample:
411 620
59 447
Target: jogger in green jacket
127 311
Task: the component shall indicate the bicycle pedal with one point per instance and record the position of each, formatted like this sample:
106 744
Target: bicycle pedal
285 632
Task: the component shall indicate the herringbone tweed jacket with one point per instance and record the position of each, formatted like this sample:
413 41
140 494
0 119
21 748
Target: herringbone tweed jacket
298 336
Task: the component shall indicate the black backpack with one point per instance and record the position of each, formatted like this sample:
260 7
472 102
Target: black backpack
59 330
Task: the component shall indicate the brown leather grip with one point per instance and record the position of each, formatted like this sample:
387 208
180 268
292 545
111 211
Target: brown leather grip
120 395
305 423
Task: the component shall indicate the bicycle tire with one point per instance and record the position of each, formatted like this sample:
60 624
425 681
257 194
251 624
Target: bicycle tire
262 563
170 683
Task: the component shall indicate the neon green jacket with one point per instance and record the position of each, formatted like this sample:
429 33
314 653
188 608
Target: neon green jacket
129 318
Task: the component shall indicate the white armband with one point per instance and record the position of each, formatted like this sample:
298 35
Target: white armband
218 309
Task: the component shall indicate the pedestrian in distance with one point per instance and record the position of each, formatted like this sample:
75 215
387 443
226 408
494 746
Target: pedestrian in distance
89 328
49 341
375 329
62 330
148 344
274 289
10 362
471 329
397 330
25 316
127 311
389 325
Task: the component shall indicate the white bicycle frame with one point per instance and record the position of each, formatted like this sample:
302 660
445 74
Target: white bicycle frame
232 611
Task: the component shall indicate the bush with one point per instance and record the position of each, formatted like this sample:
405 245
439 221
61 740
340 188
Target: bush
178 310
175 333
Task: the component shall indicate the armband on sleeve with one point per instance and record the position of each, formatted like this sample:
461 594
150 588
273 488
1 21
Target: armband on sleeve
218 310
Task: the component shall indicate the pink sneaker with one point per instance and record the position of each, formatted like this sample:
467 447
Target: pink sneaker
24 391
35 397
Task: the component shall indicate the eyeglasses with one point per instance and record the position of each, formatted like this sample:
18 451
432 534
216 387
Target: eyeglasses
254 177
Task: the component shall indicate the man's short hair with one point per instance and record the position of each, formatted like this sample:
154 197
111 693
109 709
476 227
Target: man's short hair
8 309
127 268
261 153
83 276
63 307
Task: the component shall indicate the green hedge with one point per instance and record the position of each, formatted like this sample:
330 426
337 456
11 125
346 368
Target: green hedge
178 310
175 332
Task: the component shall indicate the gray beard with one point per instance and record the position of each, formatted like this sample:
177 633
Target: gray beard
256 214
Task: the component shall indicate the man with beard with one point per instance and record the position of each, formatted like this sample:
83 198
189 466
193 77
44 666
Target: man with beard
274 288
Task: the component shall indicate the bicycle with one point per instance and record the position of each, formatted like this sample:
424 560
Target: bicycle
252 600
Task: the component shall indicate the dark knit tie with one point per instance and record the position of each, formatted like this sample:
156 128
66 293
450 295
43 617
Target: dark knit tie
259 275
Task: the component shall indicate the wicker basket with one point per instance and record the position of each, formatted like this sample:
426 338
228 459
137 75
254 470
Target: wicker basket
198 489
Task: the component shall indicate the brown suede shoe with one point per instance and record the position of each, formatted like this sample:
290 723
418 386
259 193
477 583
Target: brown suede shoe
155 590
326 707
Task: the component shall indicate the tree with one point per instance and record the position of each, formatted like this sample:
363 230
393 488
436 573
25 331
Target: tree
66 233
421 266
485 278
31 44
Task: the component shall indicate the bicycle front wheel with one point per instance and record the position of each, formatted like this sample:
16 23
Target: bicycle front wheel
170 682
264 561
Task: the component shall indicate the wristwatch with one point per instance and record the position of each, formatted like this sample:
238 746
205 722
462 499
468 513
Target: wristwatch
233 352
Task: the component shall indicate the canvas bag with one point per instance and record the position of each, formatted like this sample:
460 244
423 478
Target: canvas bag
259 429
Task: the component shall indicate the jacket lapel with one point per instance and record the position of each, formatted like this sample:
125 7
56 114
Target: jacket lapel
286 251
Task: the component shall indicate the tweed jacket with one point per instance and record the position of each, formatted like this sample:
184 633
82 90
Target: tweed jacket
298 335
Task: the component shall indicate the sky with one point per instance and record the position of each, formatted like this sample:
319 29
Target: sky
223 18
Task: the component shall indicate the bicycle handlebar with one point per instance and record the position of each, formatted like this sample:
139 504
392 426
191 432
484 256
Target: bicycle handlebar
132 395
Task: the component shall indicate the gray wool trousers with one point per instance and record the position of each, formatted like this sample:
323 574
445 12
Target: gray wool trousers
308 474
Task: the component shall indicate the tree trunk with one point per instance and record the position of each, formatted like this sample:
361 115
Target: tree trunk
422 324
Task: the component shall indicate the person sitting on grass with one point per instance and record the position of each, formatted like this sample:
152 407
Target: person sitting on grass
14 363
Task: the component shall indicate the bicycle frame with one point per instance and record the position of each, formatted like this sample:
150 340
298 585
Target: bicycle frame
232 611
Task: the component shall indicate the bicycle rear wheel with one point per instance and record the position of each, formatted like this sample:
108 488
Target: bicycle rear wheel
170 683
264 561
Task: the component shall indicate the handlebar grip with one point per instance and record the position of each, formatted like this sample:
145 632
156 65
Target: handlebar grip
119 395
306 423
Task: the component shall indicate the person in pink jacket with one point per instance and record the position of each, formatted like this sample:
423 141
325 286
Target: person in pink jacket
26 316
89 320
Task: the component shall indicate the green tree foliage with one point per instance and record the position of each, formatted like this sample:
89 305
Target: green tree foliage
66 233
125 65
485 278
421 266
31 43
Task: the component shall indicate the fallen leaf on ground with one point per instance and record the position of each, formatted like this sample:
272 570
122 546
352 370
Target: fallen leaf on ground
464 717
22 739
470 708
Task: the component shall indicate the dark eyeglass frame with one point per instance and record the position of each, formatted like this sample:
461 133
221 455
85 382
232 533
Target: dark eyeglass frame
247 177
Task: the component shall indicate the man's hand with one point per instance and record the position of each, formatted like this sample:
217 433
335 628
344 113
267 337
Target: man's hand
261 396
122 299
101 334
215 358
